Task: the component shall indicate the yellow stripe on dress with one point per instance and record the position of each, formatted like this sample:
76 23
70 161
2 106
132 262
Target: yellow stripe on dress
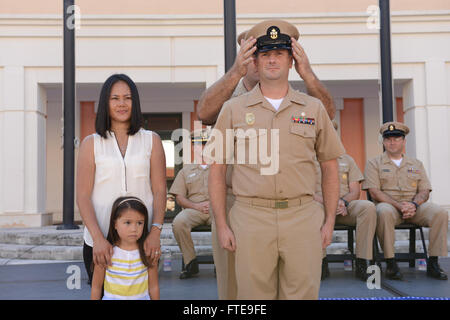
125 261
127 269
124 290
126 277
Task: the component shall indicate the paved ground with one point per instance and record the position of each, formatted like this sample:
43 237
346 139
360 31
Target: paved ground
48 281
415 283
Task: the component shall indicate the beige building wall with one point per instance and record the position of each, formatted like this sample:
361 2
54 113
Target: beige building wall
190 7
183 47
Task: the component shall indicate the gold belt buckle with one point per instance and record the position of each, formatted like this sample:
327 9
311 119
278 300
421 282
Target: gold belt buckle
281 204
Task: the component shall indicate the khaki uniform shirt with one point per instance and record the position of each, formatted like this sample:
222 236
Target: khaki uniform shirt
239 90
192 183
348 172
400 183
305 131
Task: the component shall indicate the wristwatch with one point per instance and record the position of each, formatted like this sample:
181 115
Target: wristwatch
157 225
414 203
345 202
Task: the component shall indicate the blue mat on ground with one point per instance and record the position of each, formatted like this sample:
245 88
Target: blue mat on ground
390 298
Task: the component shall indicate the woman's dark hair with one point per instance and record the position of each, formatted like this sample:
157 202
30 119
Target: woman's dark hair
120 205
103 120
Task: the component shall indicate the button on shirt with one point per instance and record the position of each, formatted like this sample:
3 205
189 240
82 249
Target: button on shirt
192 182
400 183
305 131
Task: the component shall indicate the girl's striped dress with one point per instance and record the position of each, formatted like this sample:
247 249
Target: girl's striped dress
127 278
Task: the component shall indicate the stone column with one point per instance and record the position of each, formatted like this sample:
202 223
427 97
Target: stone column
427 113
22 150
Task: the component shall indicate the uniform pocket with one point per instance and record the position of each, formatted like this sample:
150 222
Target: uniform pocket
386 175
247 147
413 176
302 138
192 178
412 181
387 180
343 168
194 183
343 172
303 130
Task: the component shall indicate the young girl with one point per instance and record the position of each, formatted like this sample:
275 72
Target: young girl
131 276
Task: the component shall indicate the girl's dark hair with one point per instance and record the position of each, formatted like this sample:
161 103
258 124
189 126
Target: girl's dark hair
120 205
103 120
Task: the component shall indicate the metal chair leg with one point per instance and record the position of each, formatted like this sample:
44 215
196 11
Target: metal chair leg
350 246
412 248
423 244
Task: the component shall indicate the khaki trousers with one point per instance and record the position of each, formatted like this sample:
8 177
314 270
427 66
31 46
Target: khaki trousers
362 214
182 225
278 251
427 215
224 260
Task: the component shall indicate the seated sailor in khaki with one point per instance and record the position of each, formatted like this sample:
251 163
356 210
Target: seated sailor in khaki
400 188
353 212
191 190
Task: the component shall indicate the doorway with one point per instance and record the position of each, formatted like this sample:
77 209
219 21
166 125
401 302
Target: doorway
164 124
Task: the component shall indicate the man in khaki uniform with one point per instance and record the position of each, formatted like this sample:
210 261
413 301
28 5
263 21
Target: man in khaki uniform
224 259
190 188
241 78
353 212
276 229
400 188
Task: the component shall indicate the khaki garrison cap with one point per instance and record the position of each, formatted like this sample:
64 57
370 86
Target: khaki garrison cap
273 34
391 129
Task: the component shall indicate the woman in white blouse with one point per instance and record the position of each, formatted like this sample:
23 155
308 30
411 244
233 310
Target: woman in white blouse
120 159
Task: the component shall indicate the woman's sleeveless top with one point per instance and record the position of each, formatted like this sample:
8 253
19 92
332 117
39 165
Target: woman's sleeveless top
117 176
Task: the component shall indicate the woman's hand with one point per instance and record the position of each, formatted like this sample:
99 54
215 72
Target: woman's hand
102 252
152 245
